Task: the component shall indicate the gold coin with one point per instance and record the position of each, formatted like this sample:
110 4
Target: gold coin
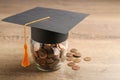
41 62
77 54
71 64
69 58
76 60
73 50
76 67
87 59
49 60
69 54
42 55
35 54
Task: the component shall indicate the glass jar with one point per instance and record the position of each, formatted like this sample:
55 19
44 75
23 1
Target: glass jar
48 57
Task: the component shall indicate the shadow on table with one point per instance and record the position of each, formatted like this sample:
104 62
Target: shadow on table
16 69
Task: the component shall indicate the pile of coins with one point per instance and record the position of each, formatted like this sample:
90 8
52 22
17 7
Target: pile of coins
48 56
73 57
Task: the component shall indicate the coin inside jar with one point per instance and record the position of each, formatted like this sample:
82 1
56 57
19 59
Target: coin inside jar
54 45
52 65
42 54
42 62
36 46
49 60
36 54
50 55
48 49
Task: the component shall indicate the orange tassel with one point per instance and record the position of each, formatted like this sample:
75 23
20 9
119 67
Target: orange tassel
25 61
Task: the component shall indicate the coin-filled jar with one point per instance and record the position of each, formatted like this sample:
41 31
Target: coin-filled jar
48 57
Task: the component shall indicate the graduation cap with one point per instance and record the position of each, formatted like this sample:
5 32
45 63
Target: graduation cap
47 25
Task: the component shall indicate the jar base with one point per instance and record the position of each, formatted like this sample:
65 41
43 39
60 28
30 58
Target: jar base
46 70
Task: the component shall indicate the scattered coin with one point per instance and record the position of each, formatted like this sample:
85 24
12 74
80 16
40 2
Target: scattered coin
71 64
77 54
74 57
73 50
69 54
76 67
69 58
87 59
77 60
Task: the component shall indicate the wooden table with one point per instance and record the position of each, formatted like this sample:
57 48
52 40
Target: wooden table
98 36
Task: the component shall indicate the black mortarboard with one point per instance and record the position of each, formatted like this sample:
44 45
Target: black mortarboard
53 30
